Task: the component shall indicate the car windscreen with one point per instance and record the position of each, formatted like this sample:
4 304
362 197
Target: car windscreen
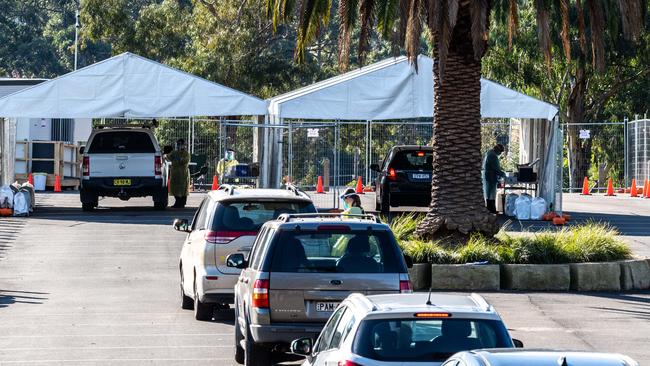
426 340
412 160
329 251
118 142
250 215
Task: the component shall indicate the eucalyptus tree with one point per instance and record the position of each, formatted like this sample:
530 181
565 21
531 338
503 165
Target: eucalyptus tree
459 32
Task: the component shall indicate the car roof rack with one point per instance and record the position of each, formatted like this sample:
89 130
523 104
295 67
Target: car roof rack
288 217
228 188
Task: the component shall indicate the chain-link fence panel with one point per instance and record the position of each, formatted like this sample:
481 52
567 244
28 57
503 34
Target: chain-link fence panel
638 138
596 151
502 132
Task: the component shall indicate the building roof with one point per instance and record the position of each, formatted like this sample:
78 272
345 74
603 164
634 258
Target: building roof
11 85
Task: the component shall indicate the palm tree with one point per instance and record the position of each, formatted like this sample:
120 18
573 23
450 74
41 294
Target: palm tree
459 31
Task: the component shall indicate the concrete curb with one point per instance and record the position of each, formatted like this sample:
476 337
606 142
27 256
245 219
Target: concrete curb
535 277
605 276
465 277
635 274
420 276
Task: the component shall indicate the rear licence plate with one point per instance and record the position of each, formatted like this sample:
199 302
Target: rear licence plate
326 306
421 176
121 182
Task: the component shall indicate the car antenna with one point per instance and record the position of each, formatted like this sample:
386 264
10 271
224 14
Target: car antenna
429 297
562 361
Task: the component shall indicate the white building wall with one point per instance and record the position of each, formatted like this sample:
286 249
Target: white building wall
82 129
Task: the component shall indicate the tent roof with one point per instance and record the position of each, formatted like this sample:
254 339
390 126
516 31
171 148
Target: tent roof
391 89
129 85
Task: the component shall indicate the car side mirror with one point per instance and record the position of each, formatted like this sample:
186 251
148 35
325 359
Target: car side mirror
236 260
375 167
181 225
82 149
302 347
408 260
518 343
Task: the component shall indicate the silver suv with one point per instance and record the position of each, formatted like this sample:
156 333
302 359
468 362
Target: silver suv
226 222
301 267
510 357
418 329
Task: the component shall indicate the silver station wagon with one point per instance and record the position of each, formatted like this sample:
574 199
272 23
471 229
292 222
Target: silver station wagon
532 357
301 267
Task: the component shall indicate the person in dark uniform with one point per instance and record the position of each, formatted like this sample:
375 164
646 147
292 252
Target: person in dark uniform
491 172
179 174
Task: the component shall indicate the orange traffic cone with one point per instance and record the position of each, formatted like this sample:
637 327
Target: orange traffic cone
610 187
633 188
215 182
319 185
646 189
359 189
585 187
30 179
57 183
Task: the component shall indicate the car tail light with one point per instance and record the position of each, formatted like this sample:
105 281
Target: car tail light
157 165
420 153
348 363
432 315
261 294
86 166
405 287
391 174
225 237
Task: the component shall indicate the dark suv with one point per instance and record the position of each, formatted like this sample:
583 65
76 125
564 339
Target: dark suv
299 270
404 177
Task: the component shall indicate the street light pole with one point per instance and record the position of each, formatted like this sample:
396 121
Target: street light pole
76 36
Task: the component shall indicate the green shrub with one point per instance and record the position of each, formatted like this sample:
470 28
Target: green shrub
403 226
593 242
478 249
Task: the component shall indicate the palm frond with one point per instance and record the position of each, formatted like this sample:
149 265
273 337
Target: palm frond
565 32
448 16
543 30
479 15
513 22
582 29
414 30
313 14
387 12
631 18
597 25
404 9
367 13
347 13
279 11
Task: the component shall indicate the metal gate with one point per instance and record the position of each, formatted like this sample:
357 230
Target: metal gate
638 144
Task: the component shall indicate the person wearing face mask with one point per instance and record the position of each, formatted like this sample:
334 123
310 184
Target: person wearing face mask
179 175
224 165
352 204
491 172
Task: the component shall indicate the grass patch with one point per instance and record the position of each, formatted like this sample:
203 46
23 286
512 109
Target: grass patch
403 226
590 242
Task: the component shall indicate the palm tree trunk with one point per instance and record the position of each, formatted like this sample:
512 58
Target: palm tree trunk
457 206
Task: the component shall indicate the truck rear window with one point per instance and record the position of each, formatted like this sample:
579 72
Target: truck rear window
426 340
121 142
413 160
336 252
251 215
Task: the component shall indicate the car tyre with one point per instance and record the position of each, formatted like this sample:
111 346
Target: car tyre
240 356
201 311
160 201
87 207
384 206
186 302
255 355
88 200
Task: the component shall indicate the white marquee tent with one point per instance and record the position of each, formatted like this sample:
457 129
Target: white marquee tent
125 85
393 90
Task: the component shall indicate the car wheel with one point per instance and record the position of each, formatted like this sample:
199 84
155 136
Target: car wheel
385 203
87 207
255 355
186 302
239 350
201 311
160 202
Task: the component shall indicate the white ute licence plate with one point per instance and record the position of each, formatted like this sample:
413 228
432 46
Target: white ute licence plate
326 306
420 176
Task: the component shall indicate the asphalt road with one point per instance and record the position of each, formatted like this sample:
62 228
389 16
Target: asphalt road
102 288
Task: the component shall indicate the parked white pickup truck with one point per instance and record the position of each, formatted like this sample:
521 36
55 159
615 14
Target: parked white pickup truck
123 162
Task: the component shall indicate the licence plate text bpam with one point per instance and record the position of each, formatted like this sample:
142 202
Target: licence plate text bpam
326 306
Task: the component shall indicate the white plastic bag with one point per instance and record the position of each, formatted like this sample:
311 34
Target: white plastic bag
6 197
537 208
522 207
511 198
21 204
32 197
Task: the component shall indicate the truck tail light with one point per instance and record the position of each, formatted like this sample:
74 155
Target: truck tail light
405 287
225 237
261 294
85 166
157 165
391 174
